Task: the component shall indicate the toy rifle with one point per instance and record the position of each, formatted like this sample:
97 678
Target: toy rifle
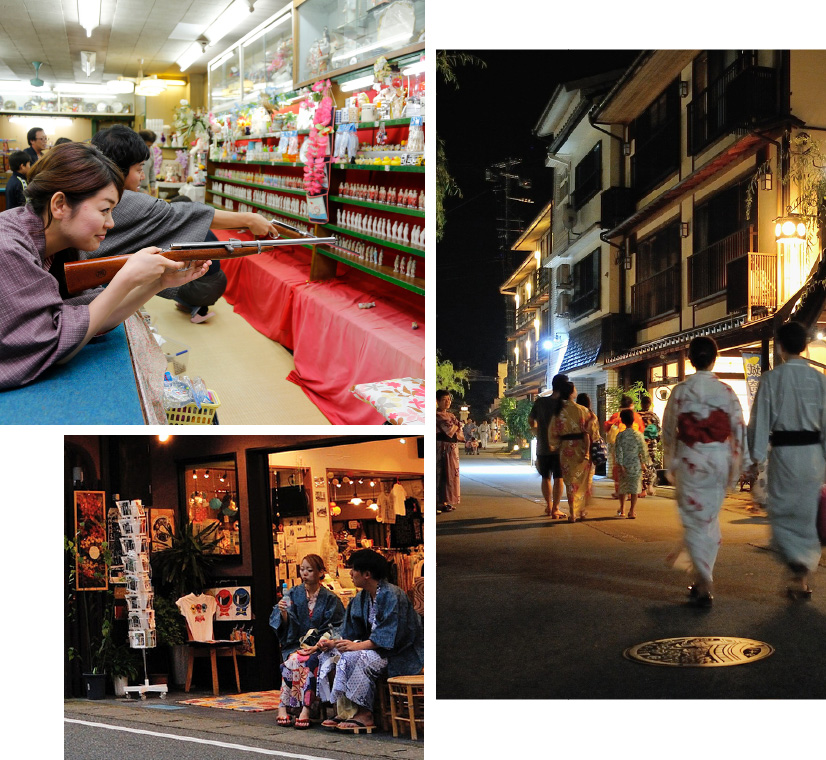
82 275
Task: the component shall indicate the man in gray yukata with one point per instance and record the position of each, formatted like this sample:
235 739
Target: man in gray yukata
789 412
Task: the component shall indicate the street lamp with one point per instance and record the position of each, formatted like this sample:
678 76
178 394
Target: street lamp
790 229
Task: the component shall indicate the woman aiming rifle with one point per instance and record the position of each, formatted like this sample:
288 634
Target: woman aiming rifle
70 197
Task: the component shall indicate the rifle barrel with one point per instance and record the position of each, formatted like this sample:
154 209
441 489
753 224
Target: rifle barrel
90 273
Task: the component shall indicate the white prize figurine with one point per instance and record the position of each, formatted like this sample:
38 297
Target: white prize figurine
413 270
381 257
421 238
396 265
394 232
414 237
406 234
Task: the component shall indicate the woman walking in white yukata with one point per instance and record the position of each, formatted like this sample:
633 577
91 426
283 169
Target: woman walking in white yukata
789 412
703 441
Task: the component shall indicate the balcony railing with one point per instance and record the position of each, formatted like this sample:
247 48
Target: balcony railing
707 268
745 93
657 296
752 285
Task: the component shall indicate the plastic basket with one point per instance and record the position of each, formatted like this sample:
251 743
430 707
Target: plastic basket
192 415
176 354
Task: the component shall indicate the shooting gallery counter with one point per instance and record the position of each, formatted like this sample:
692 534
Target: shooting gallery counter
107 383
335 344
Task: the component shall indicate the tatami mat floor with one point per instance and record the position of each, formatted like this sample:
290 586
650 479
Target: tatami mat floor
247 370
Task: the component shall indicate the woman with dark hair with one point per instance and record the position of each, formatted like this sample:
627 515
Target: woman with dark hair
789 412
448 436
651 434
382 634
71 194
703 441
584 400
307 606
570 432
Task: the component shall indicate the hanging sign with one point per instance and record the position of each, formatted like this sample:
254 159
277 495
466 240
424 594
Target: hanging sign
751 368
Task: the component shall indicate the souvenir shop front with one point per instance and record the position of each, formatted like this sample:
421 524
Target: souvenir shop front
245 509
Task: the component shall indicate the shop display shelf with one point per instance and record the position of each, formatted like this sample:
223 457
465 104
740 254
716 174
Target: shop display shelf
377 124
380 168
260 163
413 284
261 206
266 135
259 185
378 241
380 206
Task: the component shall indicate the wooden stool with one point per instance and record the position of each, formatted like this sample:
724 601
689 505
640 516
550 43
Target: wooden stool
406 702
213 650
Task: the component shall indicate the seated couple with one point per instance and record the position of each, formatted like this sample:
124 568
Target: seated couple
379 634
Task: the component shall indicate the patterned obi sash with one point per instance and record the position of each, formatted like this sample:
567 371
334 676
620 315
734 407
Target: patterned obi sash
716 428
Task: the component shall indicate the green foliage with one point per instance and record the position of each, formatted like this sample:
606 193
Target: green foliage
449 378
186 565
516 415
123 662
613 396
169 623
446 63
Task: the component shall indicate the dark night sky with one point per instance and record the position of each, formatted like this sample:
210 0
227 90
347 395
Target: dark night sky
488 119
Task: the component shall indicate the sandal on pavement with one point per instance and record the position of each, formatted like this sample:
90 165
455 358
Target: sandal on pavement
620 514
284 720
355 727
631 517
558 515
799 594
301 723
332 722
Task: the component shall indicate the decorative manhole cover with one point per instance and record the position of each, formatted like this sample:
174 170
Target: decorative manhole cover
699 651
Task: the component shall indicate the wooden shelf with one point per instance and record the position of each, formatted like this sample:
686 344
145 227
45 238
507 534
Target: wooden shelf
377 241
258 163
258 185
380 206
381 168
271 209
413 284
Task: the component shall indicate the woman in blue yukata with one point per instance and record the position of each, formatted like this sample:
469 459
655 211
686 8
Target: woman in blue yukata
382 634
308 606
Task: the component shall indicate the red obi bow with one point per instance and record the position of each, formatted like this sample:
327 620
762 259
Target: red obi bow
715 428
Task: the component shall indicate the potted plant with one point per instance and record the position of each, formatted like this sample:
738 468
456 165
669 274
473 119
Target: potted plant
181 569
123 667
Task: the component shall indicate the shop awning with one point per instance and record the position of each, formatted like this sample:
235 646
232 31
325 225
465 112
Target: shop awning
582 350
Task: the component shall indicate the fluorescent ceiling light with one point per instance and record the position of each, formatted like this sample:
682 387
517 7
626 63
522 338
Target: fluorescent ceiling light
267 29
49 124
88 14
414 68
231 18
18 85
191 54
357 84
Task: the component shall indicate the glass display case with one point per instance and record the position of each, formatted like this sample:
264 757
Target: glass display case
337 34
14 96
225 81
268 60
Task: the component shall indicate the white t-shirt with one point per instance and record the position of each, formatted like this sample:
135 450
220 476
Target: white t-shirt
198 611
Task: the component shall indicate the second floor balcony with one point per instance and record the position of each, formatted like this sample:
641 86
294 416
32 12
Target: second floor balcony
707 268
752 285
743 95
657 296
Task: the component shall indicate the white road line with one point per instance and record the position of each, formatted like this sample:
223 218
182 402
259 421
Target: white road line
226 745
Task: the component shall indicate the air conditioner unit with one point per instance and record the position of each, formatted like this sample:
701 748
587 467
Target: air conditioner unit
563 276
568 217
563 304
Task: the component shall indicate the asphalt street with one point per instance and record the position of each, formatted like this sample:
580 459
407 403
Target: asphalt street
166 730
550 607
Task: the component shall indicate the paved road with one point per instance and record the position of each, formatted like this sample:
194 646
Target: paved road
529 608
116 728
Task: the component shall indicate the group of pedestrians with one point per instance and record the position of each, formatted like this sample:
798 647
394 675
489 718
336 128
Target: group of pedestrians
705 443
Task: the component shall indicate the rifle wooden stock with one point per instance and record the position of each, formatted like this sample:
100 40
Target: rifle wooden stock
90 273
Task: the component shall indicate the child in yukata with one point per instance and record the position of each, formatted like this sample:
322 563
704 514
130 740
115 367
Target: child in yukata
630 454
